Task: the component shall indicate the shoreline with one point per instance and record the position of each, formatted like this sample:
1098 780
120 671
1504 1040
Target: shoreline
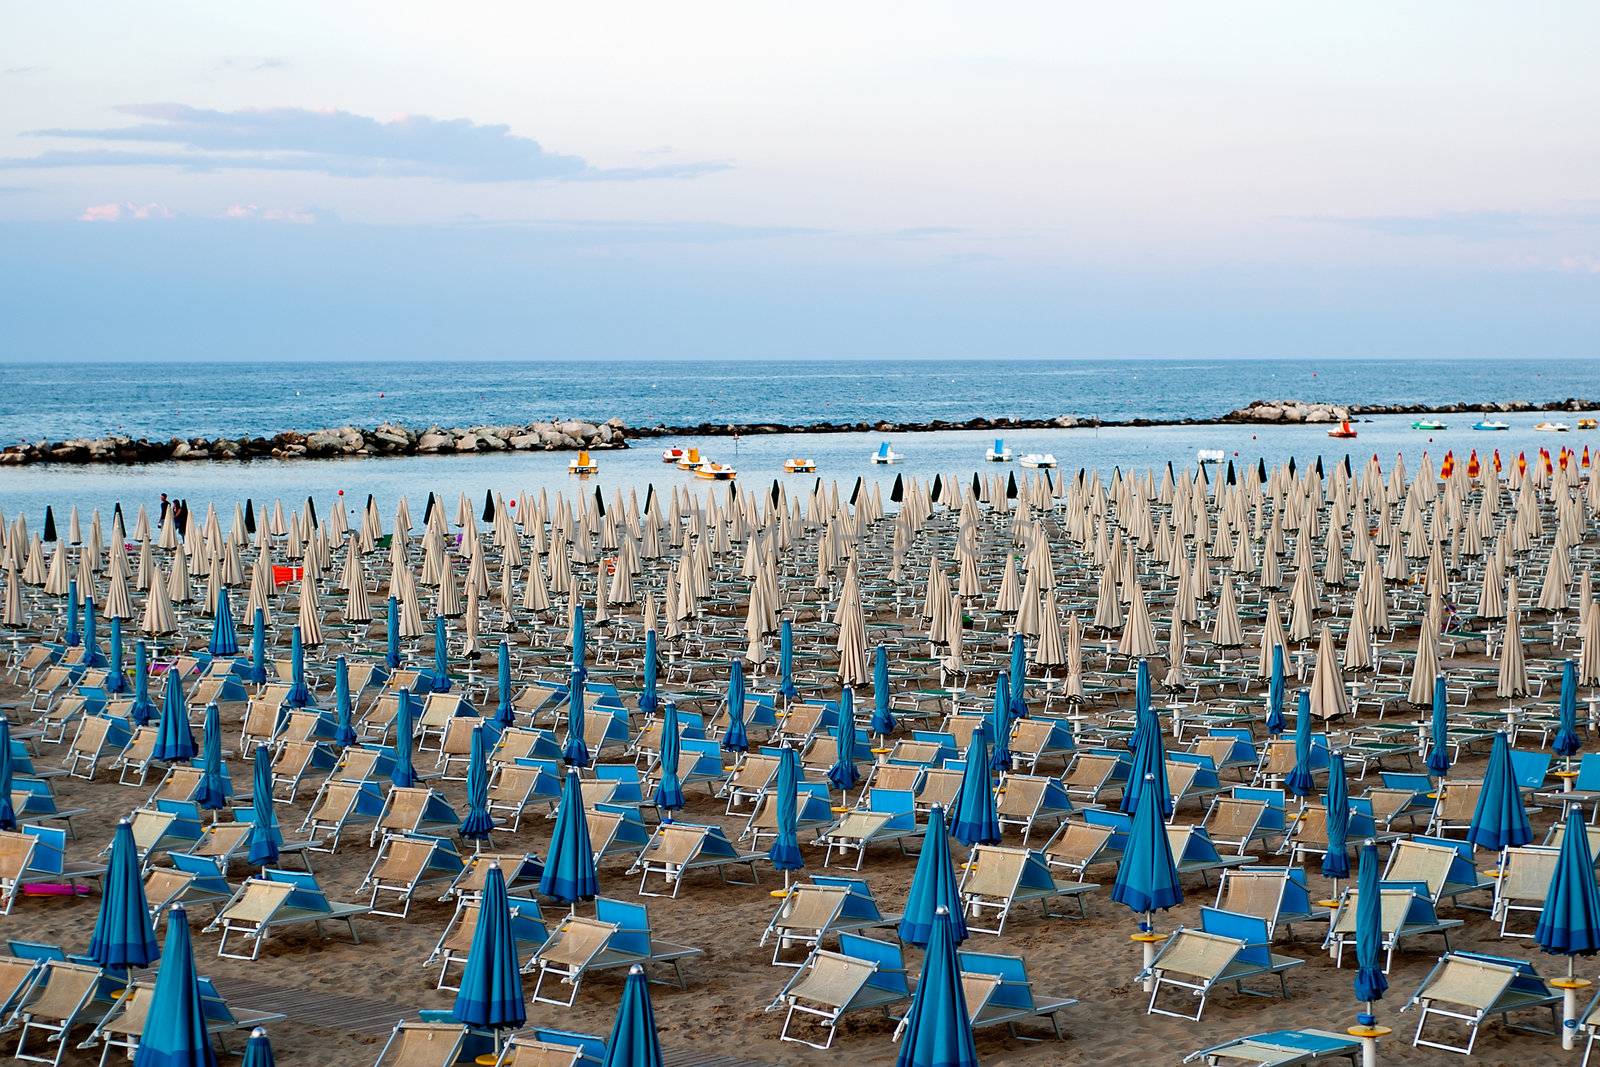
572 435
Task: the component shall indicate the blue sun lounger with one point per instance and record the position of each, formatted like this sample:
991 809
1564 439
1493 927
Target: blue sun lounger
1228 947
865 974
1008 996
1280 1048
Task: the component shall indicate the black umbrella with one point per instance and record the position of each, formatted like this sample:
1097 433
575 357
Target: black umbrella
427 509
1348 472
1291 466
856 491
1319 467
250 515
938 485
599 502
488 506
899 491
776 492
1261 469
1011 486
977 486
649 494
311 510
1232 480
49 523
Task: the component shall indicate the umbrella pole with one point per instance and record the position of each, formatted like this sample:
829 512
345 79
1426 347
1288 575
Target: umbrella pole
1148 939
1570 986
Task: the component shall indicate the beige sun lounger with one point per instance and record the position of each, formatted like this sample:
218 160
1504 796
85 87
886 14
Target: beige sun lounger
1076 846
16 853
54 1004
1403 914
529 1051
997 879
676 849
261 905
414 1044
1524 881
1470 987
831 985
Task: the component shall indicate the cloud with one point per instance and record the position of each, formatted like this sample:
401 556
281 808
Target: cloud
253 64
1463 225
338 143
300 216
126 212
21 72
917 233
637 231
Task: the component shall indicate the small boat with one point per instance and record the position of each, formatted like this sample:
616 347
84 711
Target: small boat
717 472
1487 423
671 455
998 453
690 460
583 464
1428 424
1343 431
1588 424
1552 427
1210 455
1044 461
885 454
799 466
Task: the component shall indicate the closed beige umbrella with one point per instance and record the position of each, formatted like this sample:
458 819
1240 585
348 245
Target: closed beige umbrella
1226 630
450 603
57 582
1074 686
1513 679
1175 655
954 660
472 625
1272 636
158 615
535 592
1425 666
1358 638
852 623
1049 651
11 609
178 590
1138 640
1329 698
310 612
357 606
1589 650
119 605
1107 608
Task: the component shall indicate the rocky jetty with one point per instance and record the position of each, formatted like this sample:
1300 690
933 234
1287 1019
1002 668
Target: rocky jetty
1270 411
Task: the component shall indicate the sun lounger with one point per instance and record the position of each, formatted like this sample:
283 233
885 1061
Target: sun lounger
420 1044
98 738
1404 913
1237 822
455 944
1280 1048
169 825
1094 773
1228 947
1194 852
297 760
34 801
750 779
61 995
1076 846
1446 867
516 787
278 899
528 1050
123 1026
813 814
1453 808
616 830
997 879
65 714
1038 739
521 870
617 936
48 861
1007 996
1276 895
1469 987
889 817
1191 777
406 863
414 810
189 881
813 910
1525 875
1027 801
865 974
677 848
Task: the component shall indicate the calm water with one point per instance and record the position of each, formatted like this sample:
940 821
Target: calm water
162 400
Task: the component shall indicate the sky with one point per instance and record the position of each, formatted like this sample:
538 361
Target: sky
780 181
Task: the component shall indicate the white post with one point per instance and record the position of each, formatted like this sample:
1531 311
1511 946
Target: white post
1569 1018
1369 1052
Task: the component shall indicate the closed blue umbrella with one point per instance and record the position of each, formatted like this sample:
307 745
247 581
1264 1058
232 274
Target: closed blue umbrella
933 886
785 850
1569 925
224 638
669 791
123 936
490 994
1018 677
580 637
344 734
72 637
404 773
633 1041
213 792
1370 982
569 871
116 678
575 751
505 713
258 1050
1336 860
649 700
174 738
391 654
299 692
441 655
92 656
844 774
1500 820
786 686
1275 722
257 674
1299 781
1149 762
8 814
1000 724
1567 743
1141 696
1147 877
736 738
264 834
938 1032
882 717
478 822
142 710
1439 753
974 820
175 1033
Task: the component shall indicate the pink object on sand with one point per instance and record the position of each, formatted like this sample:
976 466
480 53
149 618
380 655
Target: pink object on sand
54 889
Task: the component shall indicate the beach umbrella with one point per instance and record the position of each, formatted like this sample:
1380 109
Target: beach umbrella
123 935
505 713
1018 679
392 627
786 686
569 870
174 738
1567 742
579 637
8 814
1336 860
937 1031
73 636
882 717
736 738
213 792
344 734
224 639
1569 923
844 774
92 656
142 710
933 887
257 674
575 752
441 656
633 1041
1500 820
175 1031
649 699
974 820
1000 724
1370 982
116 679
264 834
785 851
1439 753
1275 694
1149 752
299 695
478 822
1147 877
669 791
490 995
258 1050
404 773
1299 781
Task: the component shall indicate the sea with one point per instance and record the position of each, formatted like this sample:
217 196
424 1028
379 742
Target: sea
160 400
